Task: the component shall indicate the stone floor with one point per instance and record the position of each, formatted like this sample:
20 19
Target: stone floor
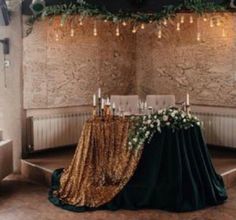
21 199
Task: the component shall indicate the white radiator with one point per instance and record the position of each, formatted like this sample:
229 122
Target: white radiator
219 128
55 130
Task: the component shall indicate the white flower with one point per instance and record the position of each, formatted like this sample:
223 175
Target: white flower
182 115
165 118
130 143
167 123
172 114
198 123
149 121
158 122
155 117
135 140
147 134
152 126
184 120
159 112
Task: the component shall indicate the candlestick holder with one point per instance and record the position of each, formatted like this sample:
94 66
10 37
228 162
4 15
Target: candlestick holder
94 111
113 112
187 109
99 107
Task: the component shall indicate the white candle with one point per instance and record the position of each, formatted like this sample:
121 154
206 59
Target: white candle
108 101
187 99
102 104
145 105
94 100
99 93
113 105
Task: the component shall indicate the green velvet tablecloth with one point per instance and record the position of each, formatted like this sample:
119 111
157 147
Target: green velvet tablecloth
175 173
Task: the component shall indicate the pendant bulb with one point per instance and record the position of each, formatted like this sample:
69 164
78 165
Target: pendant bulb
165 22
178 26
191 19
117 31
159 34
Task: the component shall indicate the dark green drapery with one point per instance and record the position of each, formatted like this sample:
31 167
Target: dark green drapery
175 173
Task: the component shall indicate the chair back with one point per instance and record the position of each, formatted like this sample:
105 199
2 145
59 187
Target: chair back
126 103
158 102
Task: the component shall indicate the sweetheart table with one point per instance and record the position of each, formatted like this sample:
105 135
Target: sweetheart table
171 171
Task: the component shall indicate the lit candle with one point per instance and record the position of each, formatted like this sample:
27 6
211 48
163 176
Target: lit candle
187 99
114 105
94 100
108 101
99 93
102 104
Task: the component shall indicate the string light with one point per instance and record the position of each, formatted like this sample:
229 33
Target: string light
211 23
105 21
134 30
124 23
182 19
72 32
198 36
223 33
80 21
56 36
159 34
191 19
204 19
95 29
178 26
165 22
142 26
117 30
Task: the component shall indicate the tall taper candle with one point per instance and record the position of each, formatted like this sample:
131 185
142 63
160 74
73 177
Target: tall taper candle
99 92
102 107
187 99
94 100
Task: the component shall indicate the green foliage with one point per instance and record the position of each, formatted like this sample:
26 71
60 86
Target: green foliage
85 9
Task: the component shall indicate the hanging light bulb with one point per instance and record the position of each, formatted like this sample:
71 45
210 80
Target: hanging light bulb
159 34
191 19
105 20
117 31
211 23
178 26
165 22
198 36
72 32
134 30
182 19
124 23
95 29
218 22
56 36
223 33
204 18
80 21
142 26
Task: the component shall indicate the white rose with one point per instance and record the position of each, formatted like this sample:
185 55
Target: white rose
159 111
152 126
182 115
184 120
149 122
165 118
130 143
167 123
155 117
198 123
135 140
158 122
172 114
147 134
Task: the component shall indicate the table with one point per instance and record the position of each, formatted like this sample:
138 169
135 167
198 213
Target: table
174 173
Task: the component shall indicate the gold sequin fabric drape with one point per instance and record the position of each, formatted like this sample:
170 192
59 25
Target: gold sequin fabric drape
102 164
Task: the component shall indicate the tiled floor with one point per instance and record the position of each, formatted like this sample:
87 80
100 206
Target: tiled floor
21 199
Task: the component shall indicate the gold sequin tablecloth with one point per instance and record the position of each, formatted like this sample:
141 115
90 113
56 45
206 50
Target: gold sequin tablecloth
102 164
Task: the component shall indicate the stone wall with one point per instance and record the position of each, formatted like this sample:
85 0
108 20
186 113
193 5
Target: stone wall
67 72
178 63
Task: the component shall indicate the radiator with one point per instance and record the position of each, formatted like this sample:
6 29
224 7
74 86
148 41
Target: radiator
55 130
218 128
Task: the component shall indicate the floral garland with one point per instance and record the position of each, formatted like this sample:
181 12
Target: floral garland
144 127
